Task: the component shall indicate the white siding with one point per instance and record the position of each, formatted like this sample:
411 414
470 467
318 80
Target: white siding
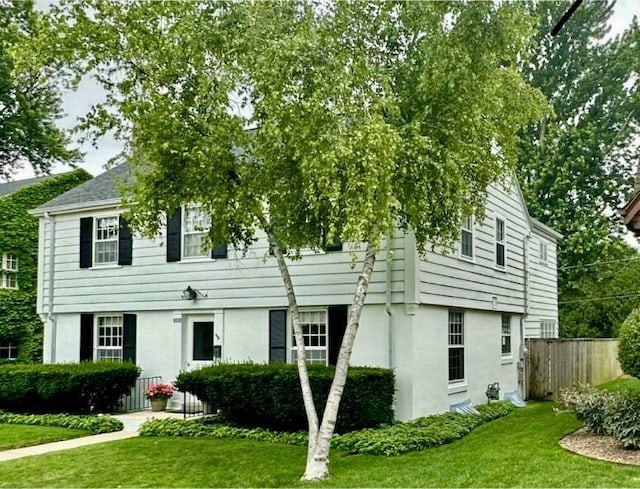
446 279
543 285
238 281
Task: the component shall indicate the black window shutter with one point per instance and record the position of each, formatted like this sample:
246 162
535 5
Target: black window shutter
125 243
86 337
174 236
337 324
219 251
336 245
278 336
129 337
86 242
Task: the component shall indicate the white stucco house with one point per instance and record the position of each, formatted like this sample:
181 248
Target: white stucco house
448 324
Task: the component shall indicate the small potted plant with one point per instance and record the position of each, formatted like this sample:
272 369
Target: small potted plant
159 395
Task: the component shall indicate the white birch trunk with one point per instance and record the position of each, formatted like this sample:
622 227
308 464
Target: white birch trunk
318 461
303 374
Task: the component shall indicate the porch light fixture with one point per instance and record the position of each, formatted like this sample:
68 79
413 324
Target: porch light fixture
190 294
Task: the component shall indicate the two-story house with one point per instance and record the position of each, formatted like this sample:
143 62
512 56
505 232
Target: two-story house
448 324
20 326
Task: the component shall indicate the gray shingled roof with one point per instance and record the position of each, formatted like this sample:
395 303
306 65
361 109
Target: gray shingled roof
10 187
99 189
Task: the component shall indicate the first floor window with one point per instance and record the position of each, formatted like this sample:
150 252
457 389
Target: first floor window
109 338
9 280
8 350
106 240
314 331
548 329
466 238
506 334
456 346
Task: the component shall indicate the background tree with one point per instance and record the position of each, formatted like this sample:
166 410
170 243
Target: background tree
575 166
29 103
366 116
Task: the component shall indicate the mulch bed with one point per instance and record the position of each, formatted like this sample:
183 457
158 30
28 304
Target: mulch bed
600 447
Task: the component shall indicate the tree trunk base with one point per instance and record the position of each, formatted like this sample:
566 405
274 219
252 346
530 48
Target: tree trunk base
316 471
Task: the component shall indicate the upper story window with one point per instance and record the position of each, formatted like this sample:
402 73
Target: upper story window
501 243
185 230
9 278
466 238
105 240
105 244
544 252
195 226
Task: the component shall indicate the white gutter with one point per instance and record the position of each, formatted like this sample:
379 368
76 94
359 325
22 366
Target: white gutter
50 316
388 269
523 349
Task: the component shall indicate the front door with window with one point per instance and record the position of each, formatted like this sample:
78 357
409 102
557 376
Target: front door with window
202 347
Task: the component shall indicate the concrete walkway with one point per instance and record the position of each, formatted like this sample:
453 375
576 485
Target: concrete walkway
131 421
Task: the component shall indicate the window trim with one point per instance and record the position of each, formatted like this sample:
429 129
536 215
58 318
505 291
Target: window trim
453 382
471 231
308 348
7 272
9 346
95 240
96 335
498 217
6 261
503 335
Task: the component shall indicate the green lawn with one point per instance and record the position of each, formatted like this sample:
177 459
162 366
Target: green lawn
519 450
621 385
20 435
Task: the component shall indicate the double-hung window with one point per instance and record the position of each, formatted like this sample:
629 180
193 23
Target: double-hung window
110 335
9 278
506 335
105 243
315 332
544 252
466 238
196 224
456 346
501 243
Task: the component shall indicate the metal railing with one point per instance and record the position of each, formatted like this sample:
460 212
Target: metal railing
136 399
191 405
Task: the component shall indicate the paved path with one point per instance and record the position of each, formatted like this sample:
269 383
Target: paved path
131 421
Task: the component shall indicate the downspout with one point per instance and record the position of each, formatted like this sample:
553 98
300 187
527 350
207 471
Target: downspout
523 349
51 318
389 257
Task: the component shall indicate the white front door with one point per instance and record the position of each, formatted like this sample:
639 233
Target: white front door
202 347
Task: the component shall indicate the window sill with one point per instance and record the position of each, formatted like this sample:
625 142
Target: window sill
468 259
197 259
456 388
500 269
506 360
106 266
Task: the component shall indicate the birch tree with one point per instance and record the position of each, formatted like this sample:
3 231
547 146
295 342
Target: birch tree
308 121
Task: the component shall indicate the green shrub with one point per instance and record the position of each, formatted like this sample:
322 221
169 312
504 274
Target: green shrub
269 396
590 406
622 418
386 440
65 388
93 424
629 345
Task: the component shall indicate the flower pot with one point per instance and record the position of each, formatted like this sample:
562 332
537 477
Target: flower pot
159 404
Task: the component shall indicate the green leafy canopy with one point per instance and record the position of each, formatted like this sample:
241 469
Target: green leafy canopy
332 119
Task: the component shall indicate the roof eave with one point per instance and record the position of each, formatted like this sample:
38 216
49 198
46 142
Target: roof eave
76 207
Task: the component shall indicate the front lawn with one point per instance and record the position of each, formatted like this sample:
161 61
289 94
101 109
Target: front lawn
519 450
18 435
621 385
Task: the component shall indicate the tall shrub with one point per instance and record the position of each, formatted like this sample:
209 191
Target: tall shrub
629 346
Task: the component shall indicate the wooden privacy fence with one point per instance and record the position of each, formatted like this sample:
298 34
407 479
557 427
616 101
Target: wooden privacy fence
553 364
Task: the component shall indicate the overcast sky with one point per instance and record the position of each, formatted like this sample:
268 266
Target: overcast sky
77 104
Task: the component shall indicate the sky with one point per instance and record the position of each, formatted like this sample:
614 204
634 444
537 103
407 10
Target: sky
77 104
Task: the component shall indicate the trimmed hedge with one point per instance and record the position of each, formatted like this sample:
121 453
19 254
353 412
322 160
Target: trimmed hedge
65 388
393 439
629 345
269 396
92 424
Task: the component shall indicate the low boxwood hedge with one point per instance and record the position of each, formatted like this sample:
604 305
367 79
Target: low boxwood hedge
65 388
392 439
269 396
92 424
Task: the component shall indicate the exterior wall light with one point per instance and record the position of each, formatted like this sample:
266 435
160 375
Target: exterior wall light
190 294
